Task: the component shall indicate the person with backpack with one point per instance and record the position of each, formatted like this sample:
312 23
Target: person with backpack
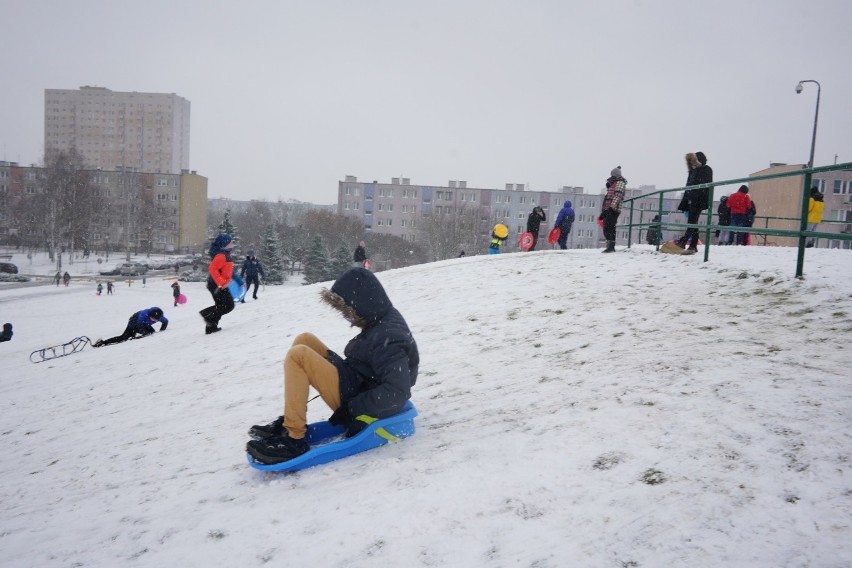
534 221
564 222
140 323
220 272
251 271
372 380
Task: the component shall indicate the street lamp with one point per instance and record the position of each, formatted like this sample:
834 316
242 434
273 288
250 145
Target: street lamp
799 89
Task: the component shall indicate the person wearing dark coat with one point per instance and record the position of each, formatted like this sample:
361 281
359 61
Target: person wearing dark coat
653 236
140 323
360 254
221 270
6 334
534 222
694 201
252 271
176 291
372 380
564 222
616 185
724 220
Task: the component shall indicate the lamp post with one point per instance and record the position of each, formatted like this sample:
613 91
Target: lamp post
799 89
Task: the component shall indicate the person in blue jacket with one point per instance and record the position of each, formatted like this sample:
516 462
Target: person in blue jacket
372 380
564 222
141 324
251 271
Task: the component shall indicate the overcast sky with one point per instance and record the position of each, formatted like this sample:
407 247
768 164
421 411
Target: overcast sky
290 97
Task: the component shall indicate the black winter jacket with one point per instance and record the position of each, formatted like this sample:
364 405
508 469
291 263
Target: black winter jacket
381 362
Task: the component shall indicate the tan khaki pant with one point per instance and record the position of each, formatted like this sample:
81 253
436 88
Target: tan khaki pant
305 366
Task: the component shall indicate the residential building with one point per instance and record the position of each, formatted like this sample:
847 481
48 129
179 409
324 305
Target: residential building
779 203
397 208
155 212
128 131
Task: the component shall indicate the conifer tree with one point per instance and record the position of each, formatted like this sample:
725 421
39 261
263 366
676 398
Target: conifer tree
272 258
226 226
316 262
339 262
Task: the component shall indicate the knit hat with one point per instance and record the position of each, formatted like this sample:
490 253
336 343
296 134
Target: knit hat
250 253
743 188
616 172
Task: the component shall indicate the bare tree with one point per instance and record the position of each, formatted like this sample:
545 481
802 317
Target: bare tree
66 201
445 235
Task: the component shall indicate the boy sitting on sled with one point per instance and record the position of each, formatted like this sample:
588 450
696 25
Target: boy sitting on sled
373 381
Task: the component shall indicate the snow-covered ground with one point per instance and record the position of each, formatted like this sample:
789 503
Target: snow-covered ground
576 409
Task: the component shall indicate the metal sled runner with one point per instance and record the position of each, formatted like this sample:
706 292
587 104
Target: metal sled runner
63 350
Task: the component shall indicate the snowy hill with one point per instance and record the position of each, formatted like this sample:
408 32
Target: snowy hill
576 409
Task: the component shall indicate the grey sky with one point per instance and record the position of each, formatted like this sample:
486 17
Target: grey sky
289 97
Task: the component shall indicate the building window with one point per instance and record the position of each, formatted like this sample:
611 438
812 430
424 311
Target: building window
838 186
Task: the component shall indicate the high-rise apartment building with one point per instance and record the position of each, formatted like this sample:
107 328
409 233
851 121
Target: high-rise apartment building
135 132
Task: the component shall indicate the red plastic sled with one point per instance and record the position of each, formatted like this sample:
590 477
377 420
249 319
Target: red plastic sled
181 299
553 235
526 241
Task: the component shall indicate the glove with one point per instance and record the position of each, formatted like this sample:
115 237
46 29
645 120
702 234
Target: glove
342 417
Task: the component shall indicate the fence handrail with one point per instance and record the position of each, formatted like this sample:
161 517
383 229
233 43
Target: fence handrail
802 233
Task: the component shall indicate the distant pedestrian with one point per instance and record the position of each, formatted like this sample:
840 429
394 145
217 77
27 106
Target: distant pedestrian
66 278
694 200
498 235
750 217
57 278
654 234
534 221
461 254
6 334
221 271
360 255
251 271
109 287
177 268
724 220
176 291
140 324
611 207
100 288
564 222
739 202
816 206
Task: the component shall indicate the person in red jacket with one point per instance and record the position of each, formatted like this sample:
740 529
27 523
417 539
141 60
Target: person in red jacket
221 271
739 203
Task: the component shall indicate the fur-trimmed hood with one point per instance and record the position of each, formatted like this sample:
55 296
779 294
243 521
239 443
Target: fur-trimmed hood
692 161
359 297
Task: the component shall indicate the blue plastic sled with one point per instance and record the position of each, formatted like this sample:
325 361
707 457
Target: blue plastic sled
237 288
326 447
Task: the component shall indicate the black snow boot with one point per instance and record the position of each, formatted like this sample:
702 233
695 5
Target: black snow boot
610 247
274 428
276 449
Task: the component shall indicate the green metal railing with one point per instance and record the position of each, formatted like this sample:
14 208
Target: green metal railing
802 234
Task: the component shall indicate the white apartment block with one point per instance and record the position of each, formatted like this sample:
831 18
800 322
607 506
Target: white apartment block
135 132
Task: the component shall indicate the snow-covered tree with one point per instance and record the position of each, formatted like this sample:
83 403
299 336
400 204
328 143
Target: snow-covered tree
316 262
271 257
227 226
338 263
